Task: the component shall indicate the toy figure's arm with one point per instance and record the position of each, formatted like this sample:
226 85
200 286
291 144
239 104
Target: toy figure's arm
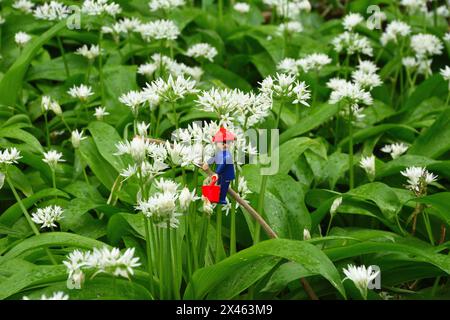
220 168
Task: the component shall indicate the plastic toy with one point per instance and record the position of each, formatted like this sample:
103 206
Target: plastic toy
224 164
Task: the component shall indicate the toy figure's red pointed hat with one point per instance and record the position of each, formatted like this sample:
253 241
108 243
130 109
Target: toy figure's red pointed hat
223 135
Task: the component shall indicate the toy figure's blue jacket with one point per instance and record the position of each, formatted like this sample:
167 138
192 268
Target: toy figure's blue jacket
225 167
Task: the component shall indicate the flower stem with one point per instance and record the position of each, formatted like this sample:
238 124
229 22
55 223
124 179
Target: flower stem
63 54
47 134
350 146
218 232
149 252
220 8
175 115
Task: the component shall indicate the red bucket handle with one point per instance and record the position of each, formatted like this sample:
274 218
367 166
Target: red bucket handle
213 180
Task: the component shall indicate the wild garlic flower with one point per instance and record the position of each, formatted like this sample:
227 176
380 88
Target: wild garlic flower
147 69
410 63
349 92
48 216
208 207
352 43
284 86
169 66
361 277
100 113
22 38
241 7
9 156
426 45
52 158
445 73
202 50
25 6
186 198
365 75
47 103
165 5
178 154
443 11
394 31
53 11
252 108
395 149
413 6
368 165
171 90
242 189
76 138
142 129
306 234
335 205
58 295
82 92
99 7
134 100
289 9
290 27
446 37
159 30
2 20
314 62
288 65
351 20
138 148
418 178
89 53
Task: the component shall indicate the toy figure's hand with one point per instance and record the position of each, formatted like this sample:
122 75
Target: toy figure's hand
205 166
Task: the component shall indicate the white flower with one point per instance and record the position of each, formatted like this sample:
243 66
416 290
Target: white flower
159 30
442 11
165 5
221 101
52 11
52 158
410 63
137 148
352 43
186 198
315 62
202 50
76 138
395 149
142 129
89 53
147 69
127 25
172 89
47 216
99 7
425 45
351 20
208 207
112 262
178 153
59 295
132 99
352 93
306 234
335 205
366 80
81 92
445 73
285 86
241 7
9 156
290 27
301 94
368 164
418 179
361 277
2 20
288 65
22 38
25 6
394 30
447 37
100 112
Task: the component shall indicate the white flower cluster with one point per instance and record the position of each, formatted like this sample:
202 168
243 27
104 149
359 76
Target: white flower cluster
99 7
418 178
89 53
368 165
100 113
289 8
52 158
104 260
172 89
164 207
22 38
52 11
445 73
123 26
311 62
59 295
47 103
395 149
351 20
202 50
352 43
413 6
290 27
82 92
48 216
365 75
159 30
241 7
165 5
9 156
172 67
394 31
76 138
426 45
361 277
284 86
25 6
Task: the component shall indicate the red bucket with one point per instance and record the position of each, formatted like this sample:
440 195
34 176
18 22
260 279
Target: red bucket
212 191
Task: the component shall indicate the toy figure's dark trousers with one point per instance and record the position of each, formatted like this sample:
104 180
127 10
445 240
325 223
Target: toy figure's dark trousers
224 185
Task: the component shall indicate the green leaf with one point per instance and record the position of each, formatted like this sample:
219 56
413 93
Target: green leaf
208 279
438 201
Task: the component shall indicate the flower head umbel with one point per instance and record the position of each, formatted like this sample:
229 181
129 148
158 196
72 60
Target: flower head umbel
100 113
285 86
368 164
445 73
47 103
76 138
100 7
52 158
138 148
22 38
352 43
241 7
82 92
58 295
48 216
202 50
53 11
351 20
89 53
394 31
361 277
133 100
173 89
9 156
165 5
350 93
418 179
314 62
25 6
426 45
395 149
159 30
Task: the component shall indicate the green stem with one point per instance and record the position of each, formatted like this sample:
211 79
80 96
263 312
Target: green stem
162 279
149 252
350 146
220 5
100 68
329 224
175 115
260 207
53 178
169 263
175 262
47 134
218 232
63 54
426 220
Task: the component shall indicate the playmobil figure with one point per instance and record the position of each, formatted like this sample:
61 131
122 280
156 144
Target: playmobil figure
223 161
